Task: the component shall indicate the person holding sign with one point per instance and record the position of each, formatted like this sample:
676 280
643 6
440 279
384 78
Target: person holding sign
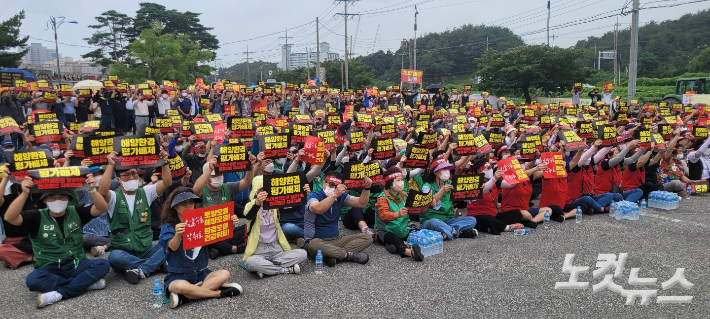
608 177
61 268
16 248
188 276
634 176
698 161
554 184
671 169
268 251
321 223
392 218
440 217
141 107
129 217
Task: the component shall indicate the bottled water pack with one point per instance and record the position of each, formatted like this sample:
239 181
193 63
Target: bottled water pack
663 200
431 242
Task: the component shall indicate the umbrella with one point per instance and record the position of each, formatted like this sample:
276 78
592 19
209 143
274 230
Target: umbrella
88 84
433 88
26 75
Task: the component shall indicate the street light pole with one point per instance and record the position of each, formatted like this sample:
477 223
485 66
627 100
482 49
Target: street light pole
54 25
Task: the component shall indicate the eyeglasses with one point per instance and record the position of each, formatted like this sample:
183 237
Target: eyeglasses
129 174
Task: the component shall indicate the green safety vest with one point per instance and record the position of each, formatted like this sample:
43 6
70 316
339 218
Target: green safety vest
131 233
54 247
225 196
398 226
445 212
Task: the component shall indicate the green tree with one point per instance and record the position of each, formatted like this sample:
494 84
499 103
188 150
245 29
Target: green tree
9 39
158 56
110 36
701 62
172 22
359 75
530 67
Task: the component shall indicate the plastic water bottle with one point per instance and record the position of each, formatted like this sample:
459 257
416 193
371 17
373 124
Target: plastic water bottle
2 233
520 232
578 217
612 209
157 294
546 221
688 190
642 207
319 263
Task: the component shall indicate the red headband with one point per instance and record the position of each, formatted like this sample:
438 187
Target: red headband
392 176
501 149
333 179
436 163
484 167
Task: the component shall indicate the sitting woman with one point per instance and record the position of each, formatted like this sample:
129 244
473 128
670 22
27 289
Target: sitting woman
268 251
188 277
392 218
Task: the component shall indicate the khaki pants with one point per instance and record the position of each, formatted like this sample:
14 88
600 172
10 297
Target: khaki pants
338 247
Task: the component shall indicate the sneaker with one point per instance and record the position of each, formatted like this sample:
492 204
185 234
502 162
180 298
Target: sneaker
177 300
392 249
133 276
295 269
469 233
515 226
101 284
417 252
214 253
300 242
259 274
230 290
330 261
367 230
48 298
358 257
97 251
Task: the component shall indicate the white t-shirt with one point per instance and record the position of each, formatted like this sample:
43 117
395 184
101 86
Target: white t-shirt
150 193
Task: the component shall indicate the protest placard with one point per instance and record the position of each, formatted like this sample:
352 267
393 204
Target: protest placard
9 125
466 144
374 172
494 138
22 161
59 178
177 166
354 175
328 137
137 151
467 187
203 131
231 158
427 139
241 126
555 165
207 225
418 202
513 172
47 132
644 137
607 133
383 149
275 145
285 190
300 131
315 150
357 141
417 156
572 141
164 124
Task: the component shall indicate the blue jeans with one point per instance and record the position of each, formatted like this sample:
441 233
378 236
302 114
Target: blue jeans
292 231
606 198
106 122
590 202
459 224
66 279
633 195
148 262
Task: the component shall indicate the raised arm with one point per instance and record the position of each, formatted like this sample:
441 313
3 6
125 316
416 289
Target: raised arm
12 215
167 178
620 157
600 155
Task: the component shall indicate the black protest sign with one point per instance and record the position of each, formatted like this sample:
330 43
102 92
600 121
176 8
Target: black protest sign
700 132
427 139
424 117
546 121
357 141
497 120
494 138
151 130
465 144
328 137
104 133
644 137
266 130
302 118
39 117
97 148
137 151
467 187
417 156
658 139
203 131
666 130
383 149
51 179
457 128
388 130
214 118
164 124
607 133
400 121
572 141
285 190
621 118
374 172
354 175
22 161
242 126
231 158
299 132
364 120
586 129
534 138
47 132
527 149
700 187
418 202
332 121
275 145
177 166
77 148
9 125
482 145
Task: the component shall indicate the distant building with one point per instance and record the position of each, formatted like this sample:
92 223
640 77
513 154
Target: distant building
71 70
302 59
38 54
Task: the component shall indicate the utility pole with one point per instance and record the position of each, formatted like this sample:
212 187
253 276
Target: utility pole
633 67
548 23
594 61
346 58
288 57
317 51
486 43
616 52
248 75
54 24
308 62
342 84
415 36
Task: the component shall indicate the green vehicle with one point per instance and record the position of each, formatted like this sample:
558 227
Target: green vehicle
700 85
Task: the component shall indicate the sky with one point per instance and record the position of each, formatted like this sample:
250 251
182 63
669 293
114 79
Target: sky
381 25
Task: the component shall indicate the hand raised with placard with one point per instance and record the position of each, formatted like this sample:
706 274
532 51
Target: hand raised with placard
260 157
86 162
213 163
447 188
179 229
91 180
260 198
368 182
498 174
111 158
307 189
340 190
27 184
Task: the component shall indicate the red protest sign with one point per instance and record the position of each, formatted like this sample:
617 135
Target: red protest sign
219 132
555 165
513 172
315 150
411 76
207 225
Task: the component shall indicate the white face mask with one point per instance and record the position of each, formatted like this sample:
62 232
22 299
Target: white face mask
10 149
217 181
179 148
445 175
56 153
398 186
184 95
328 191
679 157
98 179
488 173
57 206
505 156
269 168
130 186
346 159
165 96
201 155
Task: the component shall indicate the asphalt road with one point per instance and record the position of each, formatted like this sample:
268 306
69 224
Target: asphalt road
490 276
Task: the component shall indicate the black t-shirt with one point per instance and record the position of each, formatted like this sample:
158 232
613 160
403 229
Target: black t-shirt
31 219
